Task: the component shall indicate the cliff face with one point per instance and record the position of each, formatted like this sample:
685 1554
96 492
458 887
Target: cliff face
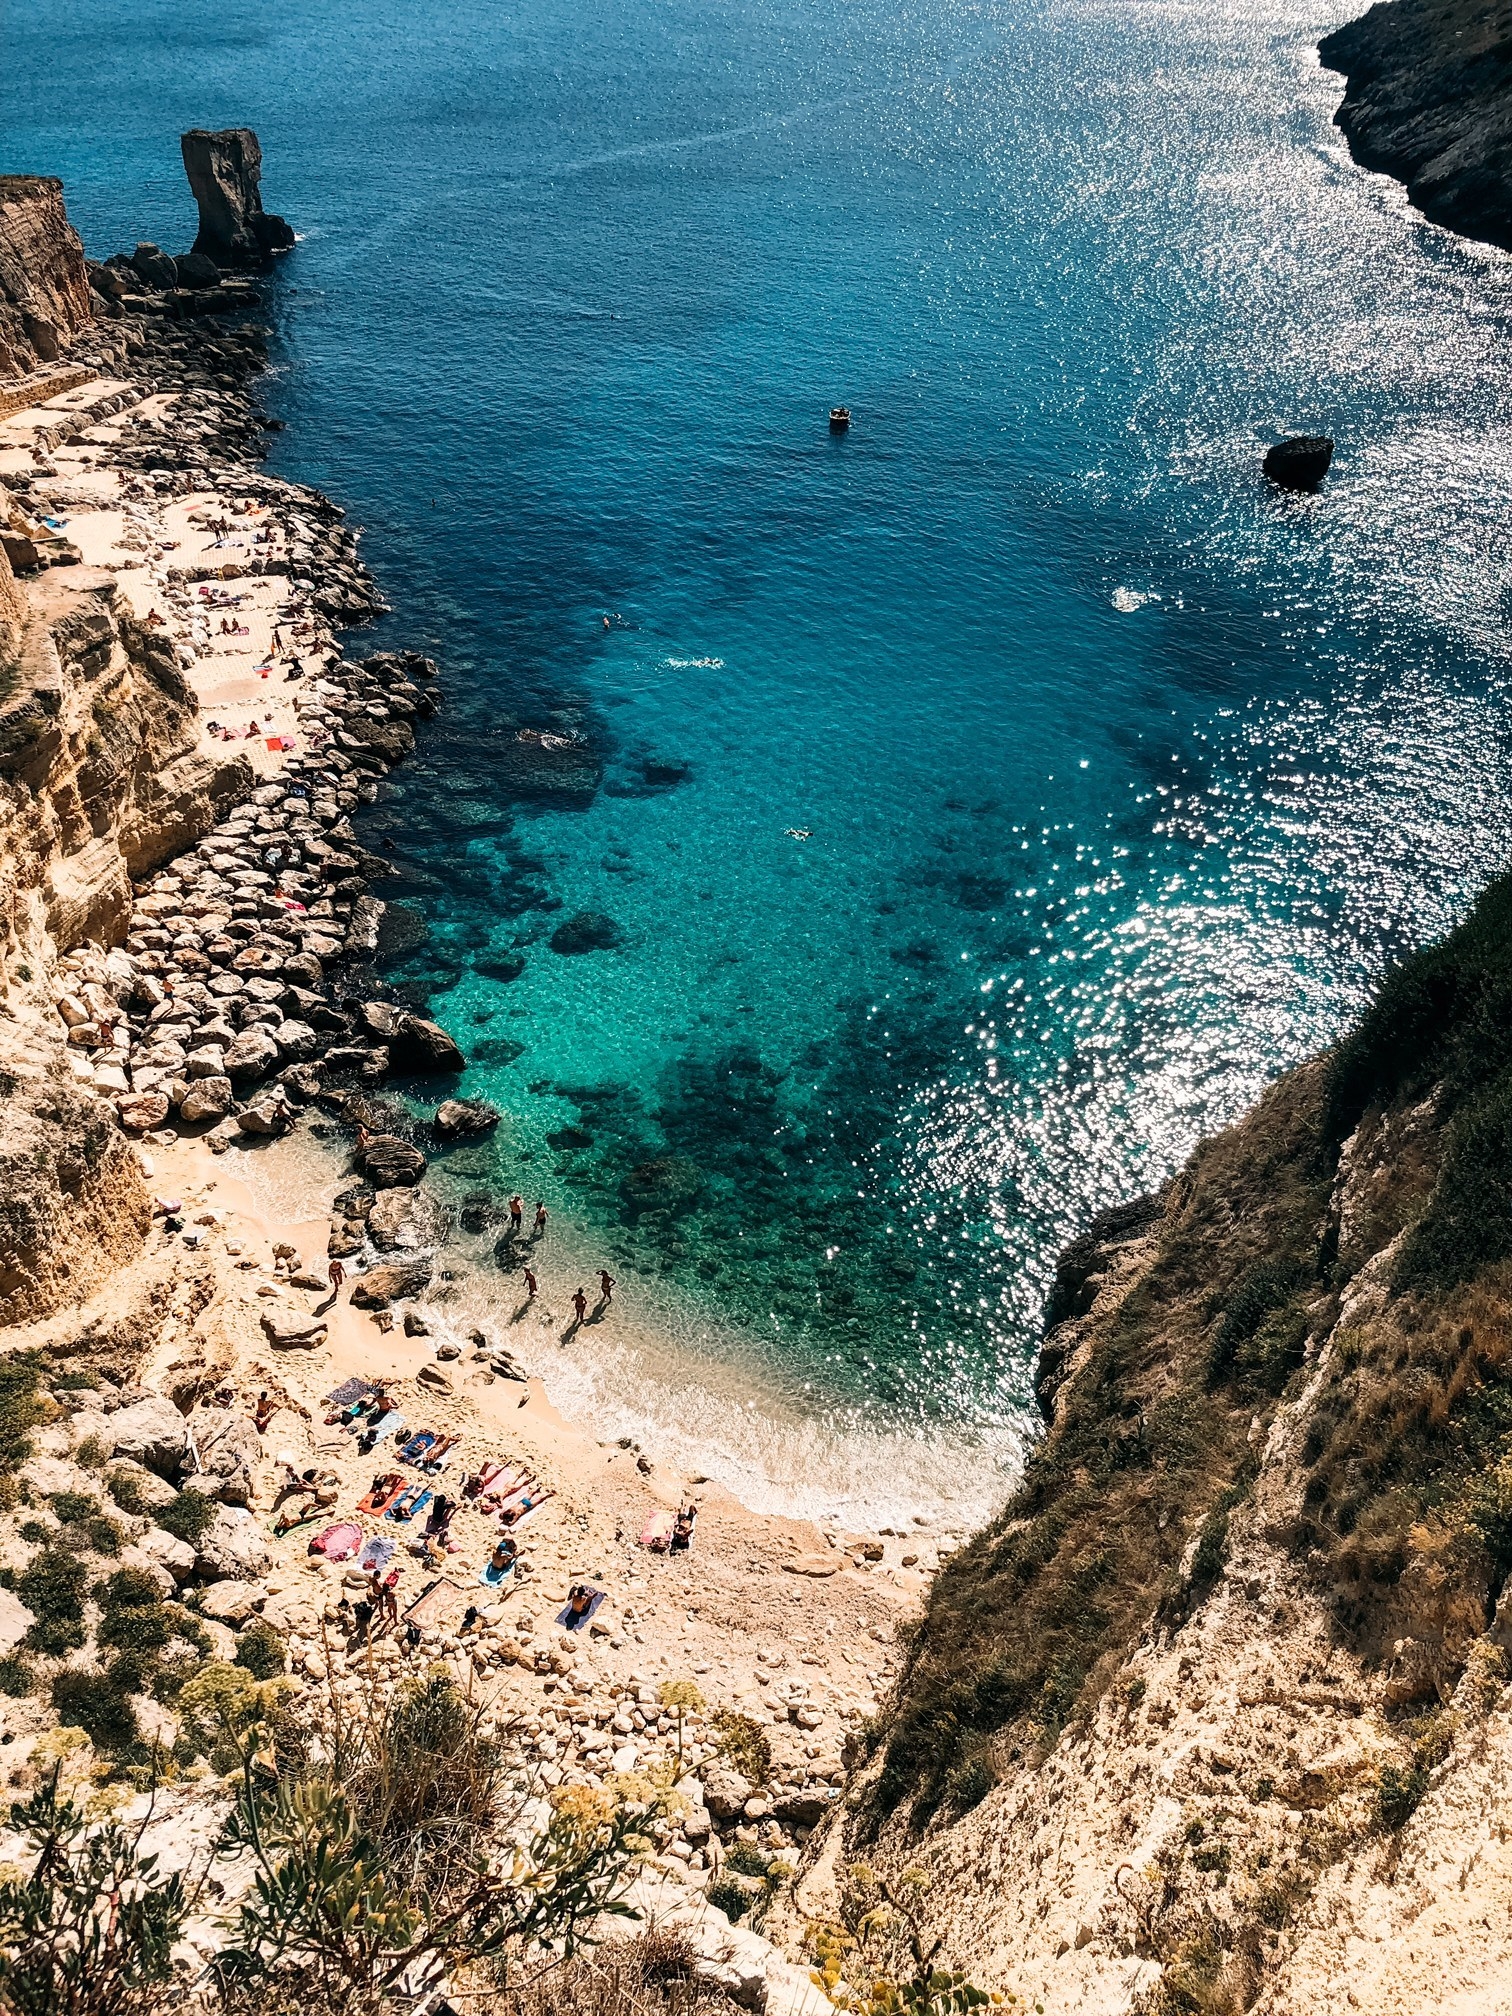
1214 1715
100 779
1429 100
44 289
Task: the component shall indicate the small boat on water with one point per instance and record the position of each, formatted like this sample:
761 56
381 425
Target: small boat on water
839 419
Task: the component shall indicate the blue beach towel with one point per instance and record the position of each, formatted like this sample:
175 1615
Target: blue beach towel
571 1623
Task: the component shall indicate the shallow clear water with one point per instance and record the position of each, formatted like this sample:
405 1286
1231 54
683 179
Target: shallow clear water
1122 775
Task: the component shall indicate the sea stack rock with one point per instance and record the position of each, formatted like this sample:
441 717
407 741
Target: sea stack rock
1301 462
225 173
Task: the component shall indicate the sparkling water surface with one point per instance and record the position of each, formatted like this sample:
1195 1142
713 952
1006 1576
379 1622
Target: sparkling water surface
1121 775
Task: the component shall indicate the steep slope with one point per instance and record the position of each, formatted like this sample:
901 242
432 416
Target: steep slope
44 288
1429 100
1213 1716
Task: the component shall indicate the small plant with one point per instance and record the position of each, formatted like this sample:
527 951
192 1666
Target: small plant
81 1514
747 1860
262 1651
970 1782
189 1517
728 1897
52 1587
743 1745
128 1589
125 1487
16 1676
91 1702
877 1962
683 1698
1399 1793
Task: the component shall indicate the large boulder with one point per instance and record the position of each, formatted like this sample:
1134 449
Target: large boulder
726 1791
1300 462
152 1432
423 1046
253 1055
288 1330
195 270
233 1548
405 1219
231 1601
154 268
458 1117
386 1161
15 1621
206 1099
225 174
391 1282
142 1111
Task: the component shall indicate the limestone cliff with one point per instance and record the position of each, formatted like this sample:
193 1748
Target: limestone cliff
1215 1715
1429 100
44 290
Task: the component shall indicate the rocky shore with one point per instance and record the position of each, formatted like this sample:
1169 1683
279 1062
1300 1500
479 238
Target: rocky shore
1428 99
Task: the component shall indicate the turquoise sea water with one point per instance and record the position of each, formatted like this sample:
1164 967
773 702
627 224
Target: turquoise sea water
1121 775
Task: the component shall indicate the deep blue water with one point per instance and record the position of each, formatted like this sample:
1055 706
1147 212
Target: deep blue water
1122 775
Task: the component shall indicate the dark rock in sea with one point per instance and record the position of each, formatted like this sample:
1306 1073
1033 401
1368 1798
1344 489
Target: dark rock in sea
588 931
497 1050
1301 462
570 1137
1429 100
663 772
225 174
387 1162
152 265
667 1183
401 930
458 1117
423 1046
504 966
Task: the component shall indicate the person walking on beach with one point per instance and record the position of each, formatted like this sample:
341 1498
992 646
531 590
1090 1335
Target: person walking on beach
540 1220
336 1274
606 1287
579 1306
530 1286
516 1214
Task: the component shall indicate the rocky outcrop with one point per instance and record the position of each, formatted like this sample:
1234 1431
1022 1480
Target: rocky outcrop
1300 462
225 174
1429 100
44 291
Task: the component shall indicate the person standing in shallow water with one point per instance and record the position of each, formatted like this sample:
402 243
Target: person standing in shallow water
540 1220
530 1286
606 1287
516 1214
580 1305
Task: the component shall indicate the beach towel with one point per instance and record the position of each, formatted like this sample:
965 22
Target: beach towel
376 1553
380 1431
350 1390
385 1490
417 1446
532 1506
414 1500
435 1603
495 1578
657 1532
337 1543
476 1486
571 1623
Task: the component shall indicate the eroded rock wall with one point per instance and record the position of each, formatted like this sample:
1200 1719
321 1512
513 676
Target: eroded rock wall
44 289
1429 100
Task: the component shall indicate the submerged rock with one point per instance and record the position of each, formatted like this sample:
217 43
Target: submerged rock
458 1117
1300 462
388 1161
588 931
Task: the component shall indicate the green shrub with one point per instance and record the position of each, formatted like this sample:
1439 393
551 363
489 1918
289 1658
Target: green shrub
142 1628
16 1676
747 1860
728 1897
128 1589
21 1406
743 1744
189 1517
125 1487
52 1587
91 1453
970 1783
262 1651
74 1382
131 1672
82 1515
89 1701
34 1533
1399 1793
70 1506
